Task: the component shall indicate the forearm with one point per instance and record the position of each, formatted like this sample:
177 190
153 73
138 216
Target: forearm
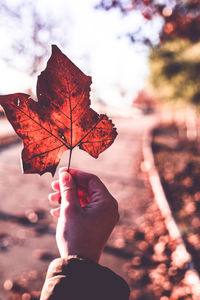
79 278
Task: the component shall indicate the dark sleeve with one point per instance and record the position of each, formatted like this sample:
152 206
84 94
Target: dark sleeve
82 279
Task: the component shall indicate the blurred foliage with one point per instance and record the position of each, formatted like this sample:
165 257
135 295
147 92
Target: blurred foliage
175 71
181 18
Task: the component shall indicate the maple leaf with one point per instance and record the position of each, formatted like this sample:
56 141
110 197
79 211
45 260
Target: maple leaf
61 119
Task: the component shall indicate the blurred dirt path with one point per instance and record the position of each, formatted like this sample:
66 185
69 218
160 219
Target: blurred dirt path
5 128
27 230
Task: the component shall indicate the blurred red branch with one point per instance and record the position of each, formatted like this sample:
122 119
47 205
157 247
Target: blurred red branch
181 18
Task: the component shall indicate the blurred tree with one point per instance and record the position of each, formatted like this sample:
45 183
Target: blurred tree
175 71
181 18
27 35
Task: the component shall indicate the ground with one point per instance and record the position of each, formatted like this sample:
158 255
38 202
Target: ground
139 249
177 160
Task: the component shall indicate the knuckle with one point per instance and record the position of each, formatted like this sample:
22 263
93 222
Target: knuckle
94 178
115 210
114 203
68 189
115 213
117 217
112 207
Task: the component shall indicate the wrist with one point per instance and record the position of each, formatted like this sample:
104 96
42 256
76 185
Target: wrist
77 254
79 257
82 248
80 254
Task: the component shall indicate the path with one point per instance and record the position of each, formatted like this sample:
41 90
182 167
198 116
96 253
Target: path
26 229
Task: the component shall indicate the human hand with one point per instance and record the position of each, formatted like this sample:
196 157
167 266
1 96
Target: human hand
82 230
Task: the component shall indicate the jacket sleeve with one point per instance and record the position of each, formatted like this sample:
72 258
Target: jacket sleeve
78 278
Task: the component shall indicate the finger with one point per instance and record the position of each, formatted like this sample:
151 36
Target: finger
55 185
55 212
95 188
80 177
54 197
68 189
88 181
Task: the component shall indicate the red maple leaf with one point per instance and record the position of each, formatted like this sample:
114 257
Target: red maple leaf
61 119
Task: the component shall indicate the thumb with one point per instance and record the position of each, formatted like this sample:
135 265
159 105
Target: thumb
68 188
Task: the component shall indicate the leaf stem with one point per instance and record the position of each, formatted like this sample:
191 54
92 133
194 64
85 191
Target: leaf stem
71 148
69 162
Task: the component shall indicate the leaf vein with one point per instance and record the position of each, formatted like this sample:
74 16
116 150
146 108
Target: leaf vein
88 133
43 153
45 138
100 141
81 98
40 125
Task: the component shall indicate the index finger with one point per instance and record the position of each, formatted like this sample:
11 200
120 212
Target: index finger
89 182
97 191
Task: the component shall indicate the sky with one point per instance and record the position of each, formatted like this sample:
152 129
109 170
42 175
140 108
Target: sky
93 39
